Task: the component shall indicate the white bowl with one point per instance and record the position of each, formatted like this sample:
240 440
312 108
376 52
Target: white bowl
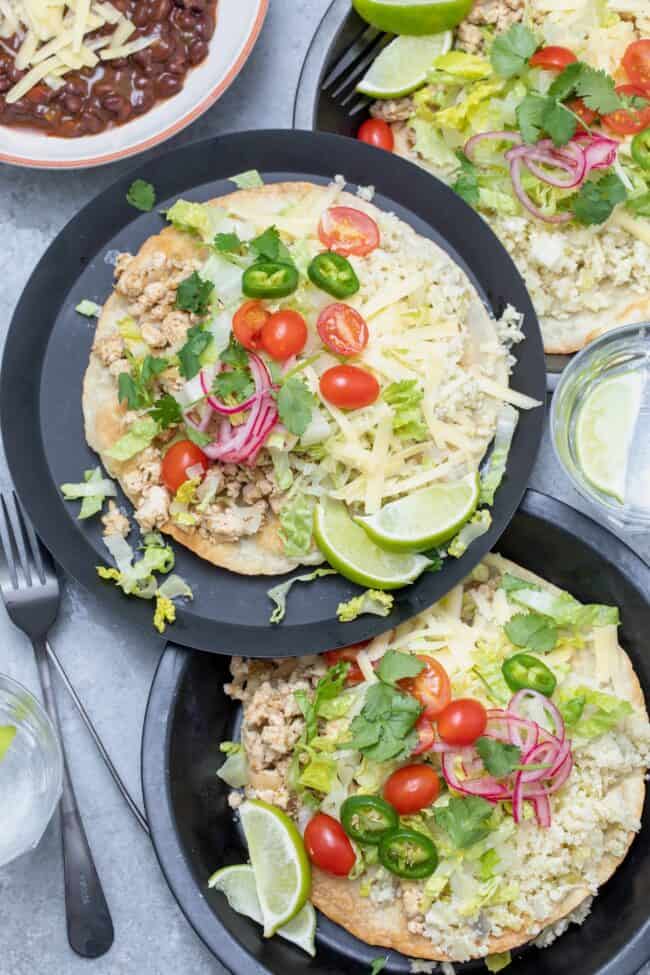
238 25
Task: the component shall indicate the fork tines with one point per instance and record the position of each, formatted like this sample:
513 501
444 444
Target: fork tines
340 81
23 556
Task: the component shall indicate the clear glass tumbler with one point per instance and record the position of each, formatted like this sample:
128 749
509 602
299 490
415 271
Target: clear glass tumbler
623 352
31 770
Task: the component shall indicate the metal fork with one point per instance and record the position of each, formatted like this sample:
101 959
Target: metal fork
31 592
340 81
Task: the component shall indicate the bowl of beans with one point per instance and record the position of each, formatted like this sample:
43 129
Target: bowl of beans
87 82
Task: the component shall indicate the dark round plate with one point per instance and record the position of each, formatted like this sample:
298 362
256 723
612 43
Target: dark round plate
194 832
48 346
316 109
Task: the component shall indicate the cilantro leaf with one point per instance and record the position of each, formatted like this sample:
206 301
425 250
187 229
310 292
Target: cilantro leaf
499 758
128 391
167 411
533 631
193 294
385 727
396 666
559 122
328 687
464 820
594 202
466 184
378 964
530 117
234 355
228 243
189 356
235 383
295 404
133 387
269 247
152 366
510 52
435 558
141 195
596 88
537 113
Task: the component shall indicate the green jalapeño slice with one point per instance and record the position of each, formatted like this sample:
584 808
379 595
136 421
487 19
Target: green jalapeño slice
524 671
269 279
334 274
367 818
408 854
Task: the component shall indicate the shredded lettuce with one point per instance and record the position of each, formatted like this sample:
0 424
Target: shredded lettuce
278 594
248 180
459 116
175 586
319 774
296 520
487 667
234 770
338 707
281 467
590 713
405 397
195 218
372 601
137 437
562 608
88 308
164 613
430 144
226 278
492 473
465 67
497 962
93 490
478 525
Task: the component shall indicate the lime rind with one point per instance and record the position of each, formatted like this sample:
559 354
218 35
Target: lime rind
280 862
414 17
402 66
426 518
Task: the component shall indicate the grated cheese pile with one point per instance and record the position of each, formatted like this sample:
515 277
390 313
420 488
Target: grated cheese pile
55 38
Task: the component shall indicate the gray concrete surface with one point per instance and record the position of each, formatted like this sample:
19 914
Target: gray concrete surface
111 668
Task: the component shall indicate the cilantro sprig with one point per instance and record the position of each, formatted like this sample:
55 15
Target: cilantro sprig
466 184
596 199
134 387
197 341
141 195
465 820
328 687
295 405
511 50
385 728
532 630
499 758
193 294
596 88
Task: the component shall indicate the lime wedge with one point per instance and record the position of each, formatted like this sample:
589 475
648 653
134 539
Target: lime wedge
413 16
349 549
238 885
7 735
402 66
279 859
425 518
604 432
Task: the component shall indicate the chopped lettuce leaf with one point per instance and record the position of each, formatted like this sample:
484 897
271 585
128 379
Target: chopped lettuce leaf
589 713
248 180
338 707
319 774
281 467
88 308
136 578
430 144
562 608
234 770
495 468
278 594
405 397
466 67
296 520
195 218
478 525
164 613
93 490
487 667
175 586
459 116
371 601
137 437
497 962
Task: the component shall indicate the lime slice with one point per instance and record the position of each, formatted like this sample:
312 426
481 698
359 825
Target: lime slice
425 518
7 735
413 16
604 432
282 871
402 66
238 885
349 549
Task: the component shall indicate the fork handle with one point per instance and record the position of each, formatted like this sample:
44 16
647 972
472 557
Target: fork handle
90 928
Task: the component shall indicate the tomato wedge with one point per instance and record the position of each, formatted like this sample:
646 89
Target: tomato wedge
347 230
426 735
552 58
342 329
247 324
629 121
377 133
431 687
636 62
349 655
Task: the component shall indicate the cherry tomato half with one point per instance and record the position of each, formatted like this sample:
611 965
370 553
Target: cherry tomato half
178 458
247 324
462 721
284 334
586 114
636 62
426 735
412 788
552 58
342 329
431 687
377 133
328 846
346 230
629 121
348 654
349 387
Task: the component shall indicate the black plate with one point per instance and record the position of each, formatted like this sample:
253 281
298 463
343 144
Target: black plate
317 110
48 346
192 826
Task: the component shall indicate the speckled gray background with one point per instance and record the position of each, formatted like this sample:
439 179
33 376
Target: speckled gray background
112 670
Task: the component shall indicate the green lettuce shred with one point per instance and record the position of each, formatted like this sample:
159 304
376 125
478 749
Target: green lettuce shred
497 962
137 437
478 525
93 491
234 771
278 594
589 713
405 397
248 180
296 520
88 308
372 601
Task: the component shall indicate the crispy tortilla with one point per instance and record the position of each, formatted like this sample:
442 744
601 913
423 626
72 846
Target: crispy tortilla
386 925
263 553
